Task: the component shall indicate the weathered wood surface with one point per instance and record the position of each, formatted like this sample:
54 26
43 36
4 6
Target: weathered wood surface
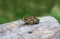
48 28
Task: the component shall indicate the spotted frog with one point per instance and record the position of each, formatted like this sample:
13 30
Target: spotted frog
30 20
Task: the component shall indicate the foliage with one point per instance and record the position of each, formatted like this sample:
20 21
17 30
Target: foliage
15 9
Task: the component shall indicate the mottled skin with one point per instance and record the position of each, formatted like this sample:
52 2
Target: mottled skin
30 20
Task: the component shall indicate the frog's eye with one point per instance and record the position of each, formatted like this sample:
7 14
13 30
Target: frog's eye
25 19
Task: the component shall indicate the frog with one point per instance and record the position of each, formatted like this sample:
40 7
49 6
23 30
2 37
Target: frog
30 20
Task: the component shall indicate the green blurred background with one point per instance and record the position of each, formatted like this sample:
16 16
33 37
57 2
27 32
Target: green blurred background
11 10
